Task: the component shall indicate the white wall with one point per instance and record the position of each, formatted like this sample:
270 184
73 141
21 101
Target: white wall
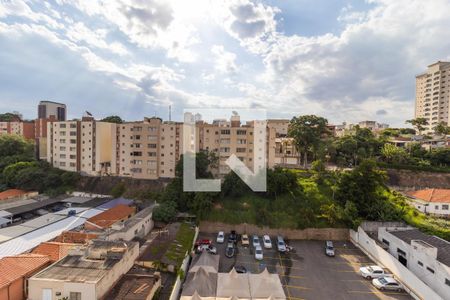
140 229
412 283
442 209
435 280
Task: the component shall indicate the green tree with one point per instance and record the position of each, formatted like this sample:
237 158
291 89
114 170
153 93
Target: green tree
118 190
9 117
442 129
112 119
308 132
419 124
165 212
394 154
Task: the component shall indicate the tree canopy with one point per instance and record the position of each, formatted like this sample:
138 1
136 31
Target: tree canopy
112 119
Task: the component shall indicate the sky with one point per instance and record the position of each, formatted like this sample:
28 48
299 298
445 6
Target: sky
345 60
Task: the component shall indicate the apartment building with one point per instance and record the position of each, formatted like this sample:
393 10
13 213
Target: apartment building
148 149
22 128
84 146
48 111
433 95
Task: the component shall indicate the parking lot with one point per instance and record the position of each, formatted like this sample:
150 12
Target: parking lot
308 273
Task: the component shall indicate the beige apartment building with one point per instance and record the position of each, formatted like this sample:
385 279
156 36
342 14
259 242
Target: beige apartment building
433 95
150 149
84 146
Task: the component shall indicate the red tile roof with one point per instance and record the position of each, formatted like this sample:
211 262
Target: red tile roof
54 250
75 237
432 195
15 267
11 193
112 215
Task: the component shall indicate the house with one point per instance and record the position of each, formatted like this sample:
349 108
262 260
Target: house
431 201
106 219
87 273
15 270
428 257
138 226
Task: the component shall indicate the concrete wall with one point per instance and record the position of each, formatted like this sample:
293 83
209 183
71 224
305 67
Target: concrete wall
373 226
417 288
35 287
304 234
405 179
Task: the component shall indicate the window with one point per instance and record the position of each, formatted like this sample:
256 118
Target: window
225 131
445 207
386 242
401 252
430 269
61 125
73 125
152 146
447 282
240 150
75 296
420 263
152 154
241 132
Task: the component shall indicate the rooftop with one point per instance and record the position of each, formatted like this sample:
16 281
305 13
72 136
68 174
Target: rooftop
75 237
431 195
111 216
55 251
15 267
443 247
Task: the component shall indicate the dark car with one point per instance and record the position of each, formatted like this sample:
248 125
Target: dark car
240 269
232 237
230 250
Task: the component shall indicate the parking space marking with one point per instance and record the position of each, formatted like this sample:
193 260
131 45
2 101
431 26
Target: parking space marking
297 287
292 276
267 265
378 293
269 257
349 263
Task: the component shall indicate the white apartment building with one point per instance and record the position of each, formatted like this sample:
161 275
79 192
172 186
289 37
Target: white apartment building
428 257
433 95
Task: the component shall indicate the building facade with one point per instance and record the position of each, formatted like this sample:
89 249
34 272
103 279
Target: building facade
433 95
22 128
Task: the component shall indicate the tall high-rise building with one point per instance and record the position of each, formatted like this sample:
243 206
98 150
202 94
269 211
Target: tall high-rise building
48 111
433 95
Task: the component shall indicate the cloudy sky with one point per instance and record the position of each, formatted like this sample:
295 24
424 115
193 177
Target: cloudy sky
346 60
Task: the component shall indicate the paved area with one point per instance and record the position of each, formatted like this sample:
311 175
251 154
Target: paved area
308 273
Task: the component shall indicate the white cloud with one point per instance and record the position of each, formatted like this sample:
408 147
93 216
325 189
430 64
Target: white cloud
224 60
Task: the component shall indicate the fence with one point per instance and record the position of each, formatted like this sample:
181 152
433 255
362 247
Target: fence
301 234
417 288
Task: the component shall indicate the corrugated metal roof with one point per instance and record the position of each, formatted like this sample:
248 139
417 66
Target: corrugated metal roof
43 220
77 199
65 211
31 239
4 213
17 203
33 206
11 232
114 202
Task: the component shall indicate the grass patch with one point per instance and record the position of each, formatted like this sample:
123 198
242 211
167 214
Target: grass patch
182 244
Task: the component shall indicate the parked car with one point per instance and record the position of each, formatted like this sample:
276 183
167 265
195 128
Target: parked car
244 240
372 272
220 237
329 248
281 245
255 241
209 248
240 269
258 253
72 213
267 242
202 242
230 250
387 283
232 237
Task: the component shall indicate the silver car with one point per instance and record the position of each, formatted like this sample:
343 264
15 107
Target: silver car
255 241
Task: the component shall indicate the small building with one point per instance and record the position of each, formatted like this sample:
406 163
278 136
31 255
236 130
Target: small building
88 273
138 226
106 219
431 201
428 257
15 270
75 237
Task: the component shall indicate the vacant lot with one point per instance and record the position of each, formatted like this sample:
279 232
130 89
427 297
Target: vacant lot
308 273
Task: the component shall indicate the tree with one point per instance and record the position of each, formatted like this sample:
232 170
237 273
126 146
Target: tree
419 124
442 129
112 119
394 154
307 132
9 117
118 190
165 212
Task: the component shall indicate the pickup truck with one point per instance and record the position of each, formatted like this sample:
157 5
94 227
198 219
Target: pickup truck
371 272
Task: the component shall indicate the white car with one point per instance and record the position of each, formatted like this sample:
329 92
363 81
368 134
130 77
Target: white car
267 242
387 283
372 272
255 241
258 253
220 237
